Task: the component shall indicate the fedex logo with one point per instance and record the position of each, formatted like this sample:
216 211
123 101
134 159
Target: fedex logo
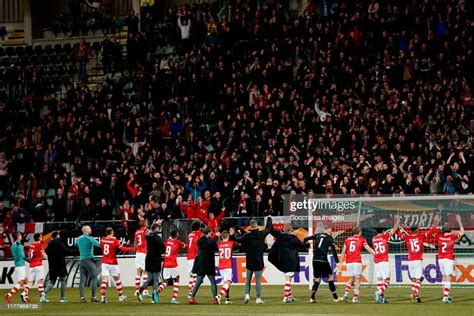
432 273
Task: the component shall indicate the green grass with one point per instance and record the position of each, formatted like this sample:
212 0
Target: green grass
463 303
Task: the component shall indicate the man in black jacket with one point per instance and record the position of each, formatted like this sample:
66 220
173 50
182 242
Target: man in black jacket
153 259
254 243
57 252
205 264
285 256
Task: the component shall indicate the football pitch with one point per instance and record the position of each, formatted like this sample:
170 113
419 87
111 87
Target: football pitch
399 303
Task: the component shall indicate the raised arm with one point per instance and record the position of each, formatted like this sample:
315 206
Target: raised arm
461 227
268 226
395 226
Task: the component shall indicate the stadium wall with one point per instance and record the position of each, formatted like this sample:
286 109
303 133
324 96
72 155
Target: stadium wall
464 271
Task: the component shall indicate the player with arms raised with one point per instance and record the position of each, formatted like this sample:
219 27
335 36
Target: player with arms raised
382 267
225 248
140 250
110 267
193 237
414 242
445 242
351 251
170 266
321 267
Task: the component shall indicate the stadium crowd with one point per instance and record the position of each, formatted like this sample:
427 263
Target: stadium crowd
251 104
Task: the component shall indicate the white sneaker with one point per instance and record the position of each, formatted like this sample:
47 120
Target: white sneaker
355 300
286 300
122 298
247 298
259 301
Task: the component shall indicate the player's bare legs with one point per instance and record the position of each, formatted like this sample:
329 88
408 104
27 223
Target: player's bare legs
138 278
347 289
41 290
175 290
224 291
287 295
192 282
415 290
103 289
382 285
119 287
355 298
446 288
21 284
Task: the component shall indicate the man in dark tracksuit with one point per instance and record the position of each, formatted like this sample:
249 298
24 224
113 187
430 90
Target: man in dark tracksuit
254 244
57 252
205 264
153 259
321 267
285 256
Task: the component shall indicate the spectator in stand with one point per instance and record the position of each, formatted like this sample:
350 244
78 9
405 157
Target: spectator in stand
339 101
132 22
81 54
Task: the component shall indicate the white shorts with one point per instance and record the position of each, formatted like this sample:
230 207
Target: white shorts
226 275
112 270
415 268
190 266
140 260
289 274
170 273
37 273
20 273
446 266
382 270
354 269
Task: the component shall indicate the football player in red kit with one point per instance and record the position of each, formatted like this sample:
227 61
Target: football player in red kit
110 267
381 264
445 242
36 254
193 237
351 251
140 250
170 266
414 242
225 248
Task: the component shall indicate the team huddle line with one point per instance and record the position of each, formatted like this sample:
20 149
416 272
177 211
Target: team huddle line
157 265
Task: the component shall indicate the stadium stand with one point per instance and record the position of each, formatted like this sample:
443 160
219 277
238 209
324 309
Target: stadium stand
246 104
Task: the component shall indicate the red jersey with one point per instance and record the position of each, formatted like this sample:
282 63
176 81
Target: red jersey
354 245
36 253
172 247
380 245
446 245
225 254
140 241
414 244
193 237
109 247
